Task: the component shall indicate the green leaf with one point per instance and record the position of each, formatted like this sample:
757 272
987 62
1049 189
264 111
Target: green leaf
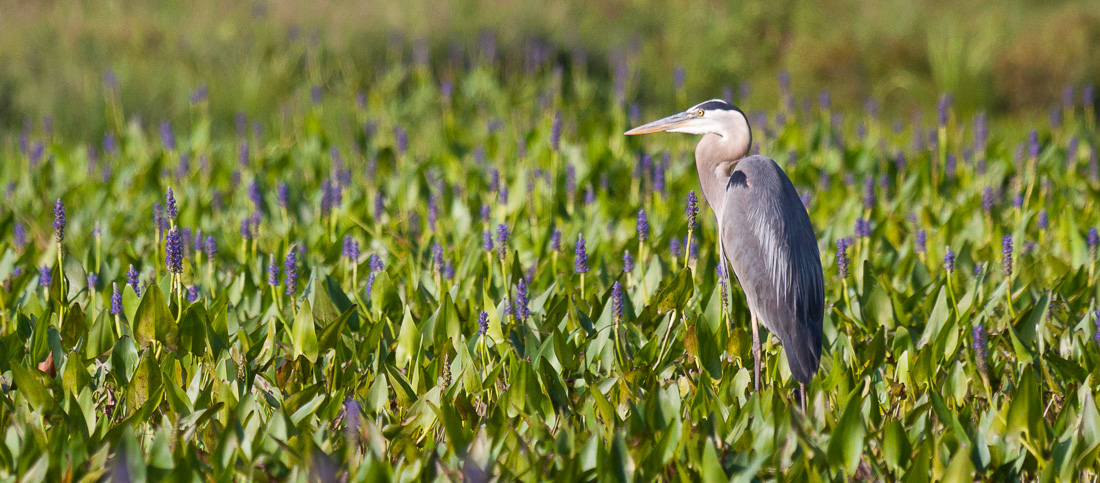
29 383
378 395
192 330
447 325
153 320
1025 411
710 353
74 328
895 444
846 441
76 377
101 337
124 359
330 336
144 384
408 340
960 468
304 335
876 307
676 294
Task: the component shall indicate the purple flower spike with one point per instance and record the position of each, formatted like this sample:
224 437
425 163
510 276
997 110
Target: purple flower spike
522 312
1093 238
502 241
580 262
1096 322
988 198
167 137
282 195
943 107
1006 252
59 221
45 276
980 348
487 241
272 272
617 301
949 260
555 240
173 252
401 138
1033 146
116 299
170 204
132 280
555 132
485 212
922 240
628 262
692 208
211 246
483 323
1044 220
246 228
20 235
375 267
437 257
678 77
290 277
869 196
192 294
842 257
379 205
255 194
674 247
347 246
863 228
643 225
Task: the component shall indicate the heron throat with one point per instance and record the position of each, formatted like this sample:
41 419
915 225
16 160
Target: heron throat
716 156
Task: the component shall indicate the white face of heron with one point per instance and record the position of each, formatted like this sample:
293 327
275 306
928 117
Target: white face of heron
728 123
715 116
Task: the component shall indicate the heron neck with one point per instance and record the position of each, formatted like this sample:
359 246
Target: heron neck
715 158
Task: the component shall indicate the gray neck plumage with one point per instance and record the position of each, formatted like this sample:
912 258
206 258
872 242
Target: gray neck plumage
715 158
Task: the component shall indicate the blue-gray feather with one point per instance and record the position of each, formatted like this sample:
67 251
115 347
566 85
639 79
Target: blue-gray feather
770 244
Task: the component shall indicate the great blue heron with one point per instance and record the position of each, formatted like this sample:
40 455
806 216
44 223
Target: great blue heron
763 231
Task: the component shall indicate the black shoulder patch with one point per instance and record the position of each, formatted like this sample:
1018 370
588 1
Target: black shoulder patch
738 178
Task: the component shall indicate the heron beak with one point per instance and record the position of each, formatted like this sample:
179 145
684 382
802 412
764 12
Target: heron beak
671 122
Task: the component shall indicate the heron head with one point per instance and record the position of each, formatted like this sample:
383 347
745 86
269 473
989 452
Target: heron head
711 117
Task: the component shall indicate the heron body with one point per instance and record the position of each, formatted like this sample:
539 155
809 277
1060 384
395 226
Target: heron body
764 232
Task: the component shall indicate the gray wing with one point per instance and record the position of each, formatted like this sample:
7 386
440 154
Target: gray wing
769 241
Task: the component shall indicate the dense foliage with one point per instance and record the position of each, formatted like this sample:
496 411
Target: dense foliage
471 272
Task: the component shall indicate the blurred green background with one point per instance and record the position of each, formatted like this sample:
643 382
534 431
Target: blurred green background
1010 58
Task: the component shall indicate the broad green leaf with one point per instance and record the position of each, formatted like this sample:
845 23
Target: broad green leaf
145 382
101 336
124 360
895 444
408 340
153 320
846 441
29 382
76 377
304 335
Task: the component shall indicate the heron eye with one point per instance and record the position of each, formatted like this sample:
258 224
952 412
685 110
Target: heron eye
699 112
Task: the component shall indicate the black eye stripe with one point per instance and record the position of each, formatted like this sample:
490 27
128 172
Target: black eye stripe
716 106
